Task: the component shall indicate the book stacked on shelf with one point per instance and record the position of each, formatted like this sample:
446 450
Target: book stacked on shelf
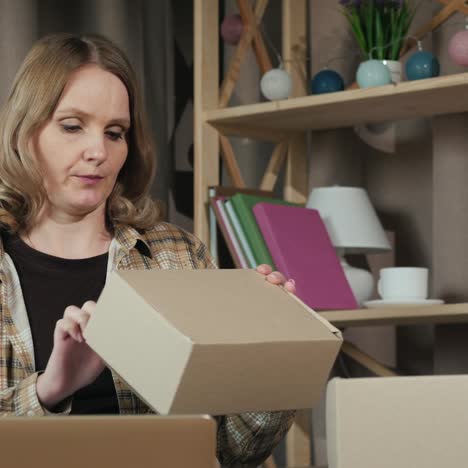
260 229
219 196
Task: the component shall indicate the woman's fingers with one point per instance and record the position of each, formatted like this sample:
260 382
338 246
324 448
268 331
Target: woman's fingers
290 285
264 269
67 327
79 317
89 307
276 277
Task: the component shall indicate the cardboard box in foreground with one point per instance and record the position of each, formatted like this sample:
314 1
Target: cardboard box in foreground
390 422
212 341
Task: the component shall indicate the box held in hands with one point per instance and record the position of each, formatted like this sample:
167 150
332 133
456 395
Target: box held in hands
212 341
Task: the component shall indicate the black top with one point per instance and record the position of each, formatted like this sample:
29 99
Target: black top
50 284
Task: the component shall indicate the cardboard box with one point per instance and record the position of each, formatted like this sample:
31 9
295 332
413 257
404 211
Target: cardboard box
212 341
417 422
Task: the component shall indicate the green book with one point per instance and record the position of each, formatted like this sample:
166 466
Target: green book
243 205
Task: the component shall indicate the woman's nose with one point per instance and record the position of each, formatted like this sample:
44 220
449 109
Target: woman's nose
96 150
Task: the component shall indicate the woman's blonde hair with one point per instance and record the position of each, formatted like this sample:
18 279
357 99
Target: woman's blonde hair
35 93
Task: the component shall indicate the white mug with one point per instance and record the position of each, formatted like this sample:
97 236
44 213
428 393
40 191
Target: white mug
403 283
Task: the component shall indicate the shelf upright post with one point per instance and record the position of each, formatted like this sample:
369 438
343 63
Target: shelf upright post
294 47
206 97
294 40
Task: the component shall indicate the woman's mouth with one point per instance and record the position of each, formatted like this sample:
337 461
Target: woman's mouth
90 179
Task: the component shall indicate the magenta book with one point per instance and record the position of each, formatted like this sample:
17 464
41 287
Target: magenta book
299 244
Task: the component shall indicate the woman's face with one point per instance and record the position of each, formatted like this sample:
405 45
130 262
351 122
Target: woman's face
82 148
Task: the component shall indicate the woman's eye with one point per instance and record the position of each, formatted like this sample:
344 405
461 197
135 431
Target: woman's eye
114 136
71 128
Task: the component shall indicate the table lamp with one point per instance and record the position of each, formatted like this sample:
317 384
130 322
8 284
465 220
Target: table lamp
354 228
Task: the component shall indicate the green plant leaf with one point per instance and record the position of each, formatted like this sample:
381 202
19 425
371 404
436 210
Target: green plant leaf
379 39
380 27
369 18
355 23
396 47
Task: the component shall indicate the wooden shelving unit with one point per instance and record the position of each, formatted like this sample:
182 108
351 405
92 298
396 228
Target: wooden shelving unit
401 315
290 119
411 99
287 121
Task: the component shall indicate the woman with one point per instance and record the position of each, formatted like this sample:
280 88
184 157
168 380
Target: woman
76 165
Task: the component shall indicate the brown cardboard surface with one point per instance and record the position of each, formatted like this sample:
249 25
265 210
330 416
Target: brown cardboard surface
397 422
212 341
109 441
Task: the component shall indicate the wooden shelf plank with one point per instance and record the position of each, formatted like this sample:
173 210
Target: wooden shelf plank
410 99
398 315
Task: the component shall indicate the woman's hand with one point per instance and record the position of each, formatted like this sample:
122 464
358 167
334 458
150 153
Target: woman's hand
276 277
72 364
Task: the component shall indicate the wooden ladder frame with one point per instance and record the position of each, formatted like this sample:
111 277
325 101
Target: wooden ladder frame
208 144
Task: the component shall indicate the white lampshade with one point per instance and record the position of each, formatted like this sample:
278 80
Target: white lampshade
350 218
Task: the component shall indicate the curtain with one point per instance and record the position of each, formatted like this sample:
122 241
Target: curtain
142 28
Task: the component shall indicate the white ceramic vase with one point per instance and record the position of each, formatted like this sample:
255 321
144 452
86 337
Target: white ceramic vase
396 69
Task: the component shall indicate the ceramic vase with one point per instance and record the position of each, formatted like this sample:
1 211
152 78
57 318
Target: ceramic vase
395 68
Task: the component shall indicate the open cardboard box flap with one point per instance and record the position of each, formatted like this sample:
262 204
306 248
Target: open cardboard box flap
212 341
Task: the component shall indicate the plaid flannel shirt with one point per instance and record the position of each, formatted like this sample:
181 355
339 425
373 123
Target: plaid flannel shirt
243 440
